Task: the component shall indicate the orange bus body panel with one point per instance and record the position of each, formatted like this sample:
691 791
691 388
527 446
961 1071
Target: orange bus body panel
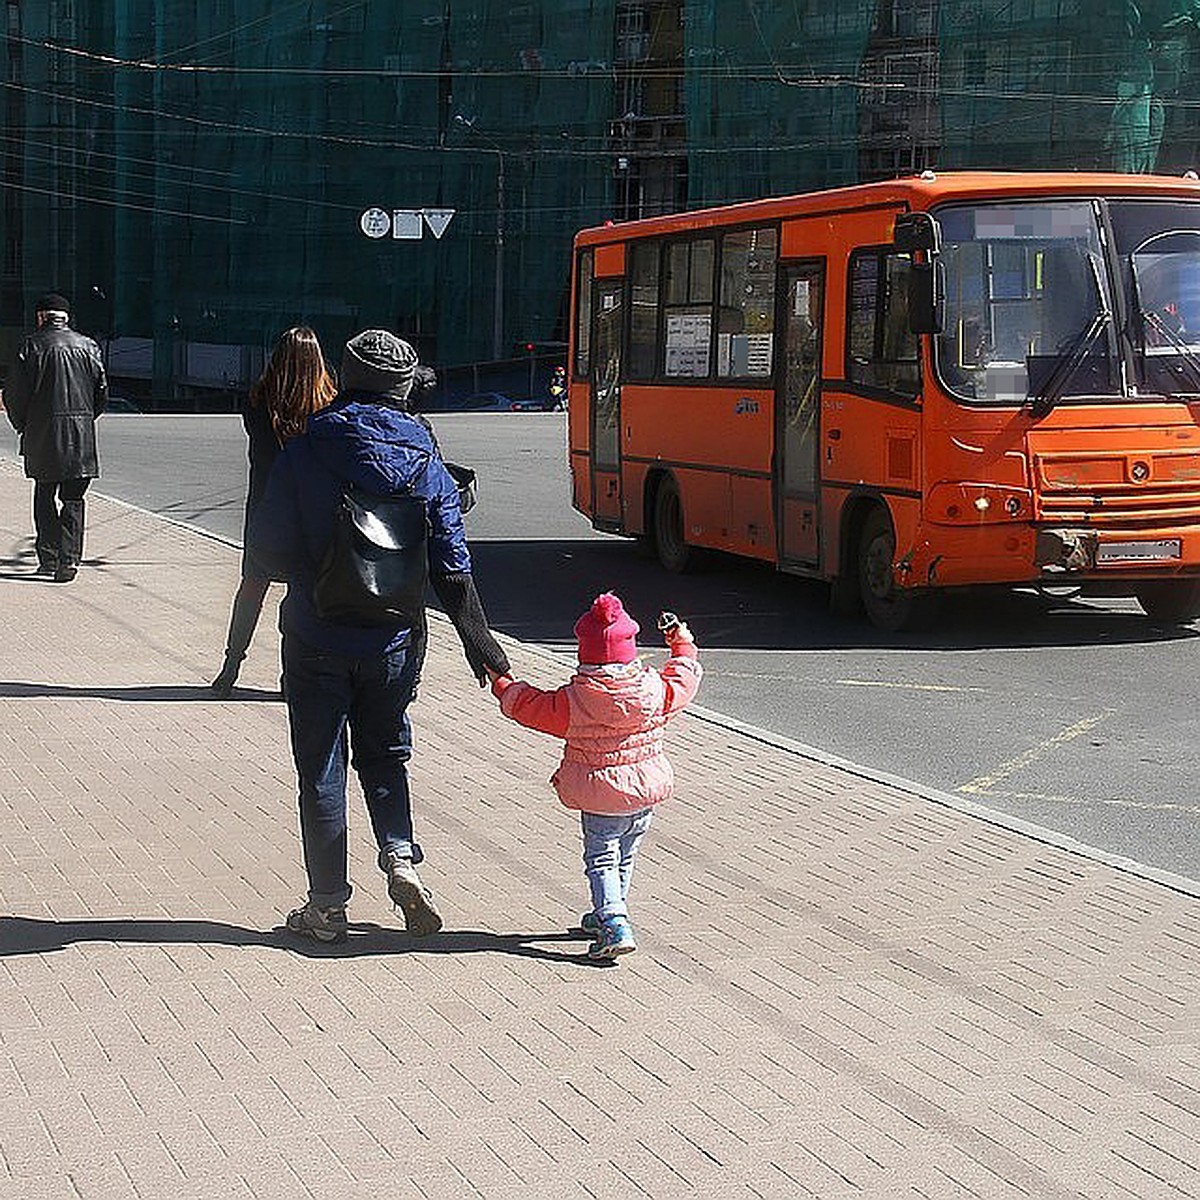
968 487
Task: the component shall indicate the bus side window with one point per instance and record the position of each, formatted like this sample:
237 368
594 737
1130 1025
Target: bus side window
583 314
882 350
746 316
688 308
641 361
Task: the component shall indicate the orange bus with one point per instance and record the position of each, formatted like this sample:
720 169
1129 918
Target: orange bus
932 383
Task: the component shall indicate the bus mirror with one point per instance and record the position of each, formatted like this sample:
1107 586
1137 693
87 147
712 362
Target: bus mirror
917 231
925 297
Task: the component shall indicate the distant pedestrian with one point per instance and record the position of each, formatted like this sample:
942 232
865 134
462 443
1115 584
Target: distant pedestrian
557 390
295 384
56 389
350 682
614 769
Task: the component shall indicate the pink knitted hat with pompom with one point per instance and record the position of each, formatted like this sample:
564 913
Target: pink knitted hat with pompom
606 632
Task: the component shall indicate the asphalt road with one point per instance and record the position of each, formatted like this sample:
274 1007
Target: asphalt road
1077 716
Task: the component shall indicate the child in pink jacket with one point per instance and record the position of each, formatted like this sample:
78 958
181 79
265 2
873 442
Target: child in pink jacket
613 770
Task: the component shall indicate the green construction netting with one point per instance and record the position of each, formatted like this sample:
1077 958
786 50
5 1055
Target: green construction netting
216 199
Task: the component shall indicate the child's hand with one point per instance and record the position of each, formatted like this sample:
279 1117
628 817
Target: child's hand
673 629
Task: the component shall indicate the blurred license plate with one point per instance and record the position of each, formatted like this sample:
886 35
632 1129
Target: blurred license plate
1121 552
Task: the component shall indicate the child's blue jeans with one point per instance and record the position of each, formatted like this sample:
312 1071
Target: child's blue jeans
609 846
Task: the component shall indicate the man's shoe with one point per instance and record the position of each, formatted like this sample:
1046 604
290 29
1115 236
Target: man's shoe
411 897
614 939
64 574
320 924
46 567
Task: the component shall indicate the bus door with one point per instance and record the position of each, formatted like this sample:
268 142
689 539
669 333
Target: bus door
798 410
607 338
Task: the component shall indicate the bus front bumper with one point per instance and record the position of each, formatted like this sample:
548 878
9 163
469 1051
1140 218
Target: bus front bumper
1023 554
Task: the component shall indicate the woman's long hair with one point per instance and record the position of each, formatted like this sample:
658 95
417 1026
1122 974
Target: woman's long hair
295 384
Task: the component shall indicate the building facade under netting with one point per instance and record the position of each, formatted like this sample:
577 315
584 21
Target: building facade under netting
200 174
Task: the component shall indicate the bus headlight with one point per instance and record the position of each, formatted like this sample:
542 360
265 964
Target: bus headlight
977 503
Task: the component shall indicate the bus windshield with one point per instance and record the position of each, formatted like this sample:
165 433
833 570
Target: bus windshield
1028 312
1158 248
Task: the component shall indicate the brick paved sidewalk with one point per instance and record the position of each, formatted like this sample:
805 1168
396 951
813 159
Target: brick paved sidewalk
842 989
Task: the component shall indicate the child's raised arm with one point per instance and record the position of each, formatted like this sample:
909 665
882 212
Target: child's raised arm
681 672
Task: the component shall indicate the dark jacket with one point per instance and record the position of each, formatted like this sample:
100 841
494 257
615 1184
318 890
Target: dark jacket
380 449
55 391
262 448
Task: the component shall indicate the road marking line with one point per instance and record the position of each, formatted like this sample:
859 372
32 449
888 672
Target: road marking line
982 783
1113 801
907 687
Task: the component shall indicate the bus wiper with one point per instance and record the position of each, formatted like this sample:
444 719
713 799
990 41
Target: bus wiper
1185 352
1069 360
1066 365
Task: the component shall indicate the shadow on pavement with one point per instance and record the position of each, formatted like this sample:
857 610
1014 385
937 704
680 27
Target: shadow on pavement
143 693
32 935
535 591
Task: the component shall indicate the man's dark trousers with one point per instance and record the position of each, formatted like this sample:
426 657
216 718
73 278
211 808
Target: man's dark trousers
59 530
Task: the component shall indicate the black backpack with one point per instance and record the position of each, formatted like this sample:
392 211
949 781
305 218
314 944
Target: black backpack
377 565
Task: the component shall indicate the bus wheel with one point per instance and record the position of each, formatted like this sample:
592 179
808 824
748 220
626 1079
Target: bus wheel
1174 601
887 606
673 551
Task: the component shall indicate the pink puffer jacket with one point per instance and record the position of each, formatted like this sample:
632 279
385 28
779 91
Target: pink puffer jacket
612 718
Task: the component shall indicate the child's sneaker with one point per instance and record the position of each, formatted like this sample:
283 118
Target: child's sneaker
320 924
590 923
614 937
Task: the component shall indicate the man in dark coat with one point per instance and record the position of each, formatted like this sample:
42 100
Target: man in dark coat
56 390
347 683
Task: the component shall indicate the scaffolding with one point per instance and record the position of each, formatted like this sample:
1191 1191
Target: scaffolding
198 175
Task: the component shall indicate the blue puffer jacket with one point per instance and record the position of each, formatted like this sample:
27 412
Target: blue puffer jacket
378 448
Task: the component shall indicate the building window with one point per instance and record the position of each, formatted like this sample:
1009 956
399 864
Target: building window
882 350
746 317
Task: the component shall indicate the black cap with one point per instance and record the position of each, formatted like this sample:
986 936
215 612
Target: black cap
53 302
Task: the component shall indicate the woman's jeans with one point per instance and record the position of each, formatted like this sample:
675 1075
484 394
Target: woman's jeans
610 844
337 703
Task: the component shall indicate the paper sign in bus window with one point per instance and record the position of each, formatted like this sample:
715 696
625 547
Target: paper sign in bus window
688 338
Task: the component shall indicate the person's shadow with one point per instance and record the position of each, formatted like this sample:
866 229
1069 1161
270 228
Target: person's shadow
33 935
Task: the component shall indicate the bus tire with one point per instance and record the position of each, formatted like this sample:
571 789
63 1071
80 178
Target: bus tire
669 544
887 606
1172 601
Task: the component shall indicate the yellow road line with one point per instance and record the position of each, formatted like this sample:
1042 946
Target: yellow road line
907 687
983 783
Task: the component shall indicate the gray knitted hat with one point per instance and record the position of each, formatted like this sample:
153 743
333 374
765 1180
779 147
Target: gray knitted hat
378 362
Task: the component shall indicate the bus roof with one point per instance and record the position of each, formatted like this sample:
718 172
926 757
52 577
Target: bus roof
914 192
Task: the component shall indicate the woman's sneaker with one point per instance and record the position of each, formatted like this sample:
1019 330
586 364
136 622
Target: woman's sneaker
590 923
320 924
614 938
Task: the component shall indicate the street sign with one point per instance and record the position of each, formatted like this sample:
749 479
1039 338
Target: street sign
437 219
405 224
374 223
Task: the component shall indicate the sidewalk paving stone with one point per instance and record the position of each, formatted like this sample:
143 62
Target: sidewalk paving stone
842 989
